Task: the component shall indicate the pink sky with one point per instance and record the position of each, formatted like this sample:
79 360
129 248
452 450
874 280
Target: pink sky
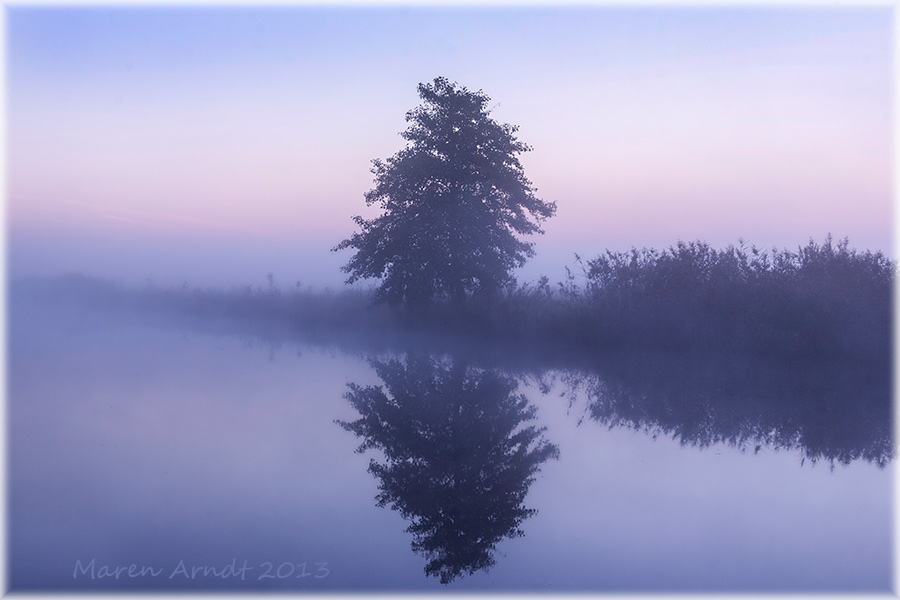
168 139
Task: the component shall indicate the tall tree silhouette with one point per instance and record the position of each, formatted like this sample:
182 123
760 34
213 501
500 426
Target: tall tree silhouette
459 457
454 201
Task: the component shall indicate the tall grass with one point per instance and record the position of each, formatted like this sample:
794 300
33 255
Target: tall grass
823 300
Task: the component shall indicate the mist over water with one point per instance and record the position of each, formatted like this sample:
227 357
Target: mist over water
173 433
136 258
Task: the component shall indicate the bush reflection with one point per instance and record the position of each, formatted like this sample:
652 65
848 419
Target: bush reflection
832 411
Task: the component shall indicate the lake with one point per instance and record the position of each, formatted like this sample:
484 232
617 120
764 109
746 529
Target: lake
157 456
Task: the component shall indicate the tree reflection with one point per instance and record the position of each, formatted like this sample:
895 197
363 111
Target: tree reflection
459 456
832 411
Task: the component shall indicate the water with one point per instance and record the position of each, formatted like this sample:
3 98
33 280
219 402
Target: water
218 462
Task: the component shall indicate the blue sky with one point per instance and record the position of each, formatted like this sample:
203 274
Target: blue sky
218 144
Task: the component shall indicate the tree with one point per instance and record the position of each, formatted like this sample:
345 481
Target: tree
454 201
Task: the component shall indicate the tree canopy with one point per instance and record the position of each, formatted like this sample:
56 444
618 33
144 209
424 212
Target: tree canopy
454 202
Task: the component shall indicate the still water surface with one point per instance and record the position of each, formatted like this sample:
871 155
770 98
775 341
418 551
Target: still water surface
220 462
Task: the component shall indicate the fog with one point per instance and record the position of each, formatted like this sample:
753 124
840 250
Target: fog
203 260
155 426
215 260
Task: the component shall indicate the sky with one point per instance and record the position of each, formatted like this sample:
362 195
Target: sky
216 145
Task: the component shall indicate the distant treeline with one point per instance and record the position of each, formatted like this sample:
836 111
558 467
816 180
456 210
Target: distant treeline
823 301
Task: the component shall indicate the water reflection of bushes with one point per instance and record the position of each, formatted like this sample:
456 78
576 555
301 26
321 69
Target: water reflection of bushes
831 411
